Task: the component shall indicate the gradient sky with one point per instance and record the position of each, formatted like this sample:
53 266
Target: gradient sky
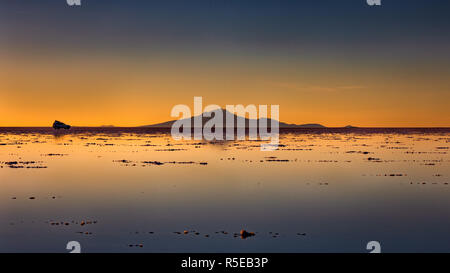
128 62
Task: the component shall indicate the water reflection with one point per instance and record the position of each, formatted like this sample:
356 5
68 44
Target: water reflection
138 190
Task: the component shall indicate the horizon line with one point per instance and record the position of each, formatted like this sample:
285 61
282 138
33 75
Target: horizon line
325 127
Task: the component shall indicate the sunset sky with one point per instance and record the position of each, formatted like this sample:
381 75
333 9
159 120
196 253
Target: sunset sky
128 62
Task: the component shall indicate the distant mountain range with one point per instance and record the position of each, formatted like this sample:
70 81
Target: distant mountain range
168 124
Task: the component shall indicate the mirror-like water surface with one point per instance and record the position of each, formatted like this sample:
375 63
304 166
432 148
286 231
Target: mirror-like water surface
138 190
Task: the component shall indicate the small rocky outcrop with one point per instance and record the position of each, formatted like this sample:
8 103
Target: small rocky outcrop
60 125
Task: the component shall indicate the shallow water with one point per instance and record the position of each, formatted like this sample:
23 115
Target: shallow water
134 190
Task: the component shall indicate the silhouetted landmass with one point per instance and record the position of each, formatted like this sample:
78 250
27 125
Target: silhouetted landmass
60 125
247 122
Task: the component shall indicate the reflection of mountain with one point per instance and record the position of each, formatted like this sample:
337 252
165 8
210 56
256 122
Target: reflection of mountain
169 124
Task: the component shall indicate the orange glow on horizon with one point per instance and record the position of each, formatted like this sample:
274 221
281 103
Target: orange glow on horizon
135 91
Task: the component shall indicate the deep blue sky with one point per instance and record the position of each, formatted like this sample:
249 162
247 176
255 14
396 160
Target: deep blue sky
285 24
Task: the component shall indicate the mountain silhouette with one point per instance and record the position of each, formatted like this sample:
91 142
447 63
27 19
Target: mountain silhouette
168 124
